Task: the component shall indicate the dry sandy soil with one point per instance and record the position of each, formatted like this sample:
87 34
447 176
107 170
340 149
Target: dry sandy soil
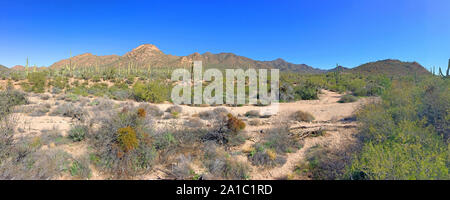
329 115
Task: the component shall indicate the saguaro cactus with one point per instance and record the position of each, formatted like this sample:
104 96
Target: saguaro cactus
337 74
26 66
447 75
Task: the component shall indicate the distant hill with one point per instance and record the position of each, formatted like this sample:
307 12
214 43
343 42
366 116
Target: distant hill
18 68
391 68
341 68
3 68
149 55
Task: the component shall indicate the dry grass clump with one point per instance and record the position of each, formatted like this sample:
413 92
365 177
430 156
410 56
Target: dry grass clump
302 116
151 110
252 114
219 112
222 165
79 169
27 164
78 132
69 110
7 125
194 123
254 122
102 104
45 97
53 136
182 169
272 149
40 110
174 109
348 98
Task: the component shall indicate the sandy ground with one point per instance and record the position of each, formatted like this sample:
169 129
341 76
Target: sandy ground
327 111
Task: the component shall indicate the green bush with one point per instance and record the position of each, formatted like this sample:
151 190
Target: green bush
37 81
9 99
307 92
402 139
78 133
153 92
348 99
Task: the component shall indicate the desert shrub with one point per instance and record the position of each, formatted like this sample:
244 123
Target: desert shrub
435 105
225 130
224 166
142 113
36 82
273 147
164 141
235 124
123 144
9 99
102 104
7 125
254 122
286 93
39 110
153 92
36 165
151 110
45 96
69 110
347 99
306 92
71 97
127 139
182 169
98 89
194 123
399 139
302 116
59 83
217 113
120 94
252 114
400 161
322 162
56 90
266 157
78 132
53 137
80 169
174 109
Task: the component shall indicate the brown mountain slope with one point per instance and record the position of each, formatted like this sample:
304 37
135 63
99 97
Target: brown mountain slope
86 60
149 55
391 68
18 67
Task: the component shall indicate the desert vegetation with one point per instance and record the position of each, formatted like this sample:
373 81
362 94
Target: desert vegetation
116 121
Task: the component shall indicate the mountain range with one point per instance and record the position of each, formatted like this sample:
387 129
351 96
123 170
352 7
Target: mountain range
148 55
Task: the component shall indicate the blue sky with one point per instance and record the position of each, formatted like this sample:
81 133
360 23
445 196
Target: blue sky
315 32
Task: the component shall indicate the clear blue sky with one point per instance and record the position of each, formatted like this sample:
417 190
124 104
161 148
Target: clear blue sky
315 32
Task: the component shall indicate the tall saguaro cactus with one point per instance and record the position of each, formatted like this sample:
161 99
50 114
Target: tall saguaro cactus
447 75
337 74
26 67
